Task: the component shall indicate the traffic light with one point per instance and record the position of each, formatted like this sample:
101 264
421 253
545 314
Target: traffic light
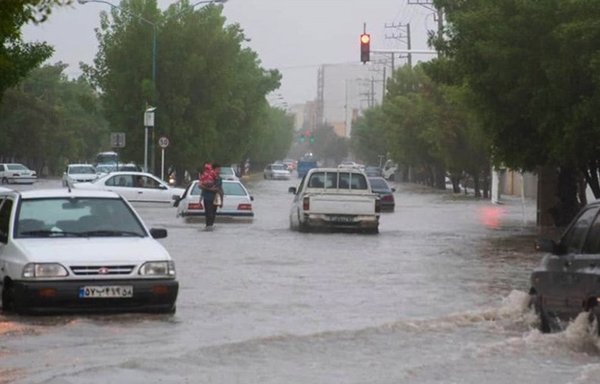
365 47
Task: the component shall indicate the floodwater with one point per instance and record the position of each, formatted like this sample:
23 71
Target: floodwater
439 296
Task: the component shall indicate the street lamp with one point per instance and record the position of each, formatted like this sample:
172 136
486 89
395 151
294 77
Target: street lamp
148 123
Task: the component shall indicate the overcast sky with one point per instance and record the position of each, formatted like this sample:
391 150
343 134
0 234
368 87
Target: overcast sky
294 36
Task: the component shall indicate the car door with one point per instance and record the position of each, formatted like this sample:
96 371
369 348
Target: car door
152 189
121 184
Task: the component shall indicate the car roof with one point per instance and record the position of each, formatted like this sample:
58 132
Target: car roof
134 173
353 170
62 192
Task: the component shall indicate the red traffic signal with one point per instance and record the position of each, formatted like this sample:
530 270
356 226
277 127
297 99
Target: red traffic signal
365 47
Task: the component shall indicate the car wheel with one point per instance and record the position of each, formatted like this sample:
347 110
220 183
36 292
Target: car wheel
4 180
542 315
8 297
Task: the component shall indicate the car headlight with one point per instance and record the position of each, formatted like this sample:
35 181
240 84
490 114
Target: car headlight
158 268
44 270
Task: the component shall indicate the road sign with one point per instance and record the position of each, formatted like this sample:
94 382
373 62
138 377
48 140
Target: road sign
163 142
117 140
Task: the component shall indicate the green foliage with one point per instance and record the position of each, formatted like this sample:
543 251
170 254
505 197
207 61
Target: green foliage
17 58
209 90
328 146
49 120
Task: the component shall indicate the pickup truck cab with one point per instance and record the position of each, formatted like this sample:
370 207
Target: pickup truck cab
334 198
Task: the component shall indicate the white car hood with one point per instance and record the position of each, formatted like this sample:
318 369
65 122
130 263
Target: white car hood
92 250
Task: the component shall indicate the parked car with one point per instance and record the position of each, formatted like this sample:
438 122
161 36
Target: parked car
385 193
16 173
565 283
78 173
228 173
276 172
71 250
237 201
135 187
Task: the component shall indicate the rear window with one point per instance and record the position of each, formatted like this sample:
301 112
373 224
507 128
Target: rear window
338 180
231 189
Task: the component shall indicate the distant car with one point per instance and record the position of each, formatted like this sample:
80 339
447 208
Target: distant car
237 202
276 172
565 283
135 187
228 173
290 164
70 250
386 193
104 168
78 173
16 173
373 171
351 164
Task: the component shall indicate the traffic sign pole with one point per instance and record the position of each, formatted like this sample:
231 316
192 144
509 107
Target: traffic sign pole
163 142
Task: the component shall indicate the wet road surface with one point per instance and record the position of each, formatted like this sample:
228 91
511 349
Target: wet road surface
439 296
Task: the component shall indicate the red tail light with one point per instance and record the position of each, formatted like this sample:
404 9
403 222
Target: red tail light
195 206
244 207
306 203
388 198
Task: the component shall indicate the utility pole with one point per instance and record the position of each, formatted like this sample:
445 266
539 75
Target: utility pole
439 13
402 34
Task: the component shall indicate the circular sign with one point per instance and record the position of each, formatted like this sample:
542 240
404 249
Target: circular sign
163 142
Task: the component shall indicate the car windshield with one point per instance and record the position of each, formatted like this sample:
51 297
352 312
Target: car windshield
76 217
227 171
229 189
379 184
17 167
342 180
81 169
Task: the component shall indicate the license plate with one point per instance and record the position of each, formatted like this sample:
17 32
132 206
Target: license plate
342 219
106 291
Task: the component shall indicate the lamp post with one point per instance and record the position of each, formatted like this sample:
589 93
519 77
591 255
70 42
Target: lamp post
148 123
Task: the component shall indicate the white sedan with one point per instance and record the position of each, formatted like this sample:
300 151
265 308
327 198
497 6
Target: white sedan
79 173
81 250
138 187
237 201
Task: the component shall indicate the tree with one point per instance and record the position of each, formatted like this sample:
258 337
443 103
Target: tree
17 58
209 92
48 120
534 73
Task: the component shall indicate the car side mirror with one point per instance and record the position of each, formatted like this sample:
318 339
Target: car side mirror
393 189
292 190
547 245
158 233
251 198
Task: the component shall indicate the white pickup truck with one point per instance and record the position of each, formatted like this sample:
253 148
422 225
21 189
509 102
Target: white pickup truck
335 198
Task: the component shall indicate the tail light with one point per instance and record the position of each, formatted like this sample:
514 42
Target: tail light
306 203
377 206
244 207
388 198
197 205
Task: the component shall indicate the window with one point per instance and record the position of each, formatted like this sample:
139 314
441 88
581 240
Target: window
574 238
5 211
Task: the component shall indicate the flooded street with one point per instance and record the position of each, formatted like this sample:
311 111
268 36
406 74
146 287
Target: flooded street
439 296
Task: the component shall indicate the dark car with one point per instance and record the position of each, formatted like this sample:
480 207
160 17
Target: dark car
386 193
566 283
